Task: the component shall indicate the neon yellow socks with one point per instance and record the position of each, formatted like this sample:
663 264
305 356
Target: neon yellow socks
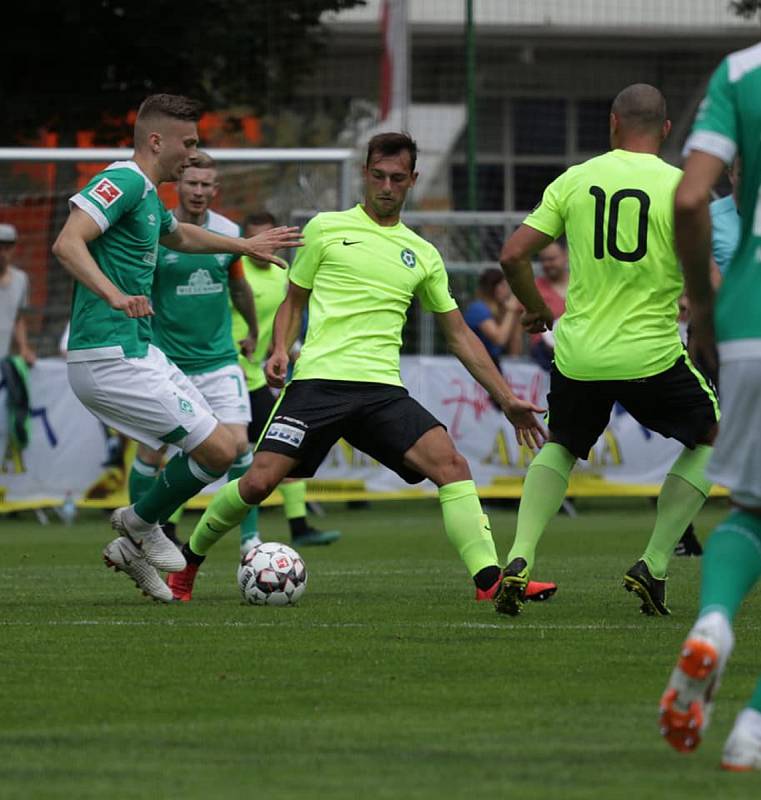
682 495
226 510
466 526
543 491
249 528
294 498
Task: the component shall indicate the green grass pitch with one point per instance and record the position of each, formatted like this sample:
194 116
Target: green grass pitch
386 681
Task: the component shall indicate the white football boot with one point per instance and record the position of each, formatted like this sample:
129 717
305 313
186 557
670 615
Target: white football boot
742 750
686 705
247 545
159 551
123 555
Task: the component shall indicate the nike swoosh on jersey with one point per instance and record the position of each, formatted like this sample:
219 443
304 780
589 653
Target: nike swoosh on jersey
346 244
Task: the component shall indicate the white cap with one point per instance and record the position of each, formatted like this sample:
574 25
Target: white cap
8 233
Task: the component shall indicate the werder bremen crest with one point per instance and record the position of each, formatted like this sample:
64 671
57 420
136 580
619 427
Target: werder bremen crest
200 282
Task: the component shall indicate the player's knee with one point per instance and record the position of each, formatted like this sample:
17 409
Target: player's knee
241 447
218 452
257 484
149 456
452 468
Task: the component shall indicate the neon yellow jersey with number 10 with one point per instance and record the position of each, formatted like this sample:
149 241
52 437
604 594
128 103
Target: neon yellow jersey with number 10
620 321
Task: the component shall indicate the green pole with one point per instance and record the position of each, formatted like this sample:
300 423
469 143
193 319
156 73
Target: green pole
470 78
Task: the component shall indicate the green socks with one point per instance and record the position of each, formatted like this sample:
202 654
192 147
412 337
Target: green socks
141 478
182 478
249 528
294 498
731 568
466 526
543 491
731 564
226 510
682 495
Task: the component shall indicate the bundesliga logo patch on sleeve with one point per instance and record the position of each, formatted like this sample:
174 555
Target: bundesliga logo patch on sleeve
105 193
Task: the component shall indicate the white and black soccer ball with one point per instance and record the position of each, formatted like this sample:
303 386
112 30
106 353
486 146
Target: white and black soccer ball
272 574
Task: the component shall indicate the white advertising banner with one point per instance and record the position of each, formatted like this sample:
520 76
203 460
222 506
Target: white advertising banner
67 445
68 448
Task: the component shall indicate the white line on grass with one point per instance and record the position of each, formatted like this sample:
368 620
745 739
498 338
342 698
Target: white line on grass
170 623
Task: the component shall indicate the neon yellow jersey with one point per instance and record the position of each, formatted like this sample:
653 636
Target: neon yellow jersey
363 277
269 285
621 311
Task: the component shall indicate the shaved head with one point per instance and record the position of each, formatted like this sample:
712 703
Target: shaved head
640 108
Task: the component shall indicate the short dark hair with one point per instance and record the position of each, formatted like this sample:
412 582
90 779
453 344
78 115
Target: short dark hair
203 161
169 105
260 218
640 107
390 144
489 279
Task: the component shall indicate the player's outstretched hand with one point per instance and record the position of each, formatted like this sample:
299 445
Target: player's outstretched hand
262 246
522 416
276 369
132 305
535 322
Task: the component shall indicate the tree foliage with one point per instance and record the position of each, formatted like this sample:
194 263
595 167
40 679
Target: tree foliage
746 8
71 66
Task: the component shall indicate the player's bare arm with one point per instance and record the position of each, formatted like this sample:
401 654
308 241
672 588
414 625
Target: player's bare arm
189 238
469 349
242 299
70 248
692 223
515 260
285 331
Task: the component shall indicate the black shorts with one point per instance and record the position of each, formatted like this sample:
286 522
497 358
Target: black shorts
382 421
678 403
262 402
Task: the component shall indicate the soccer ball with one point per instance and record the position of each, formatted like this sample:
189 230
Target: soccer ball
272 574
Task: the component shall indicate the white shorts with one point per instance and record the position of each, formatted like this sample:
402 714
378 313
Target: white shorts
148 399
736 459
225 392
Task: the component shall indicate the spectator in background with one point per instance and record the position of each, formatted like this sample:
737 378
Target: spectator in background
494 316
552 285
14 300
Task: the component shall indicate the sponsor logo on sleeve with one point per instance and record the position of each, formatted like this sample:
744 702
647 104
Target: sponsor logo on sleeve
105 193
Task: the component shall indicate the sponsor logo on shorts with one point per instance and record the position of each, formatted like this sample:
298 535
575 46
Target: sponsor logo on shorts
409 259
105 193
200 282
285 433
186 407
291 419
